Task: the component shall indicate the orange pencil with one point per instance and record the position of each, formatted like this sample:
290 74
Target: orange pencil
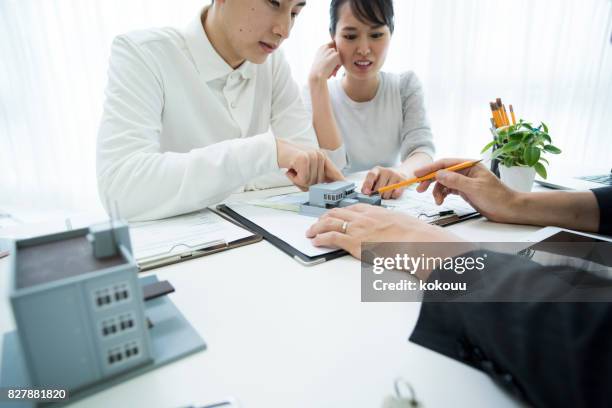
513 117
456 167
506 117
498 121
500 108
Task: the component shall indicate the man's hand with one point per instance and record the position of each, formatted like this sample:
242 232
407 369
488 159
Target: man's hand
367 223
477 185
305 167
380 177
326 63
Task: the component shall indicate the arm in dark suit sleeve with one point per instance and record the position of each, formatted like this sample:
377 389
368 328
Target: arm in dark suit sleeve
547 354
604 199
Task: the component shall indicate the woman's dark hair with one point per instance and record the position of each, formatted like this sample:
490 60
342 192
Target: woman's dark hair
374 12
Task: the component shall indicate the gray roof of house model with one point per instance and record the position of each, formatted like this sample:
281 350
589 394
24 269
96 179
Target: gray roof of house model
336 186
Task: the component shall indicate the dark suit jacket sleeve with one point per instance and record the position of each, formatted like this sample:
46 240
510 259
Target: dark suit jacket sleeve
547 354
604 199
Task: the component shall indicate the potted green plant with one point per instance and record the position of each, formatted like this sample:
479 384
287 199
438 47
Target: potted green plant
519 149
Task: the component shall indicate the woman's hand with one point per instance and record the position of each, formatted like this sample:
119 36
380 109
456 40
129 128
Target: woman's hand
348 228
326 63
380 177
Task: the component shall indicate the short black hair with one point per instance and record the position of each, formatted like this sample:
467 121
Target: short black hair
374 12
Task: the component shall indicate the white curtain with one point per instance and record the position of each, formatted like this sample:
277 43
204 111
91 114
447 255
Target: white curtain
550 58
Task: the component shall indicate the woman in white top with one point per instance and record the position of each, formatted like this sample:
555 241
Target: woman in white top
368 119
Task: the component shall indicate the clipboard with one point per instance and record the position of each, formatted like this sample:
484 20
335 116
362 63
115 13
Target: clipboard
455 219
453 211
447 218
279 229
296 254
185 244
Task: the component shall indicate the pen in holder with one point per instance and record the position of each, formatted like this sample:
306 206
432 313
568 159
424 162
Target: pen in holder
494 161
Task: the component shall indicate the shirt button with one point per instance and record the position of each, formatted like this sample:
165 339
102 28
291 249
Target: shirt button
233 105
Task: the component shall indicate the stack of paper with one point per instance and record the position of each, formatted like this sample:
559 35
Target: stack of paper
175 236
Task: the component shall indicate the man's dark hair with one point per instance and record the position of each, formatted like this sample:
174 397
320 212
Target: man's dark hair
373 12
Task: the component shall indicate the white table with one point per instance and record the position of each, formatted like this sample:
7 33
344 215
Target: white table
283 335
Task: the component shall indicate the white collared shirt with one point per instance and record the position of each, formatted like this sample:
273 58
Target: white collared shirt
182 130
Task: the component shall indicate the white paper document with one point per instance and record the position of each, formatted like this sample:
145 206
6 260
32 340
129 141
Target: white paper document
285 224
279 215
185 233
419 205
424 207
286 202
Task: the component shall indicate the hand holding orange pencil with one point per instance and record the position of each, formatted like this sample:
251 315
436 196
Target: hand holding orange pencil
430 176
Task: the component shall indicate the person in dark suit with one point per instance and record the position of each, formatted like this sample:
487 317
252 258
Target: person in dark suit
548 354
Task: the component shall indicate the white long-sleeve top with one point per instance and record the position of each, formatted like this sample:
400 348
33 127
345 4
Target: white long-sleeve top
384 131
182 129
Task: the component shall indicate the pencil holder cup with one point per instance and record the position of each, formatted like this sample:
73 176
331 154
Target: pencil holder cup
517 178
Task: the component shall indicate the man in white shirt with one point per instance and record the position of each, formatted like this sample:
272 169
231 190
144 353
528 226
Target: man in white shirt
188 113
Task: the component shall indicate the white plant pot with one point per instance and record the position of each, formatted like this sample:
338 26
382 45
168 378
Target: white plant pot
517 178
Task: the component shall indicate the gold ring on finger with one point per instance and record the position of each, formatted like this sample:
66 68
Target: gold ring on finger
344 226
